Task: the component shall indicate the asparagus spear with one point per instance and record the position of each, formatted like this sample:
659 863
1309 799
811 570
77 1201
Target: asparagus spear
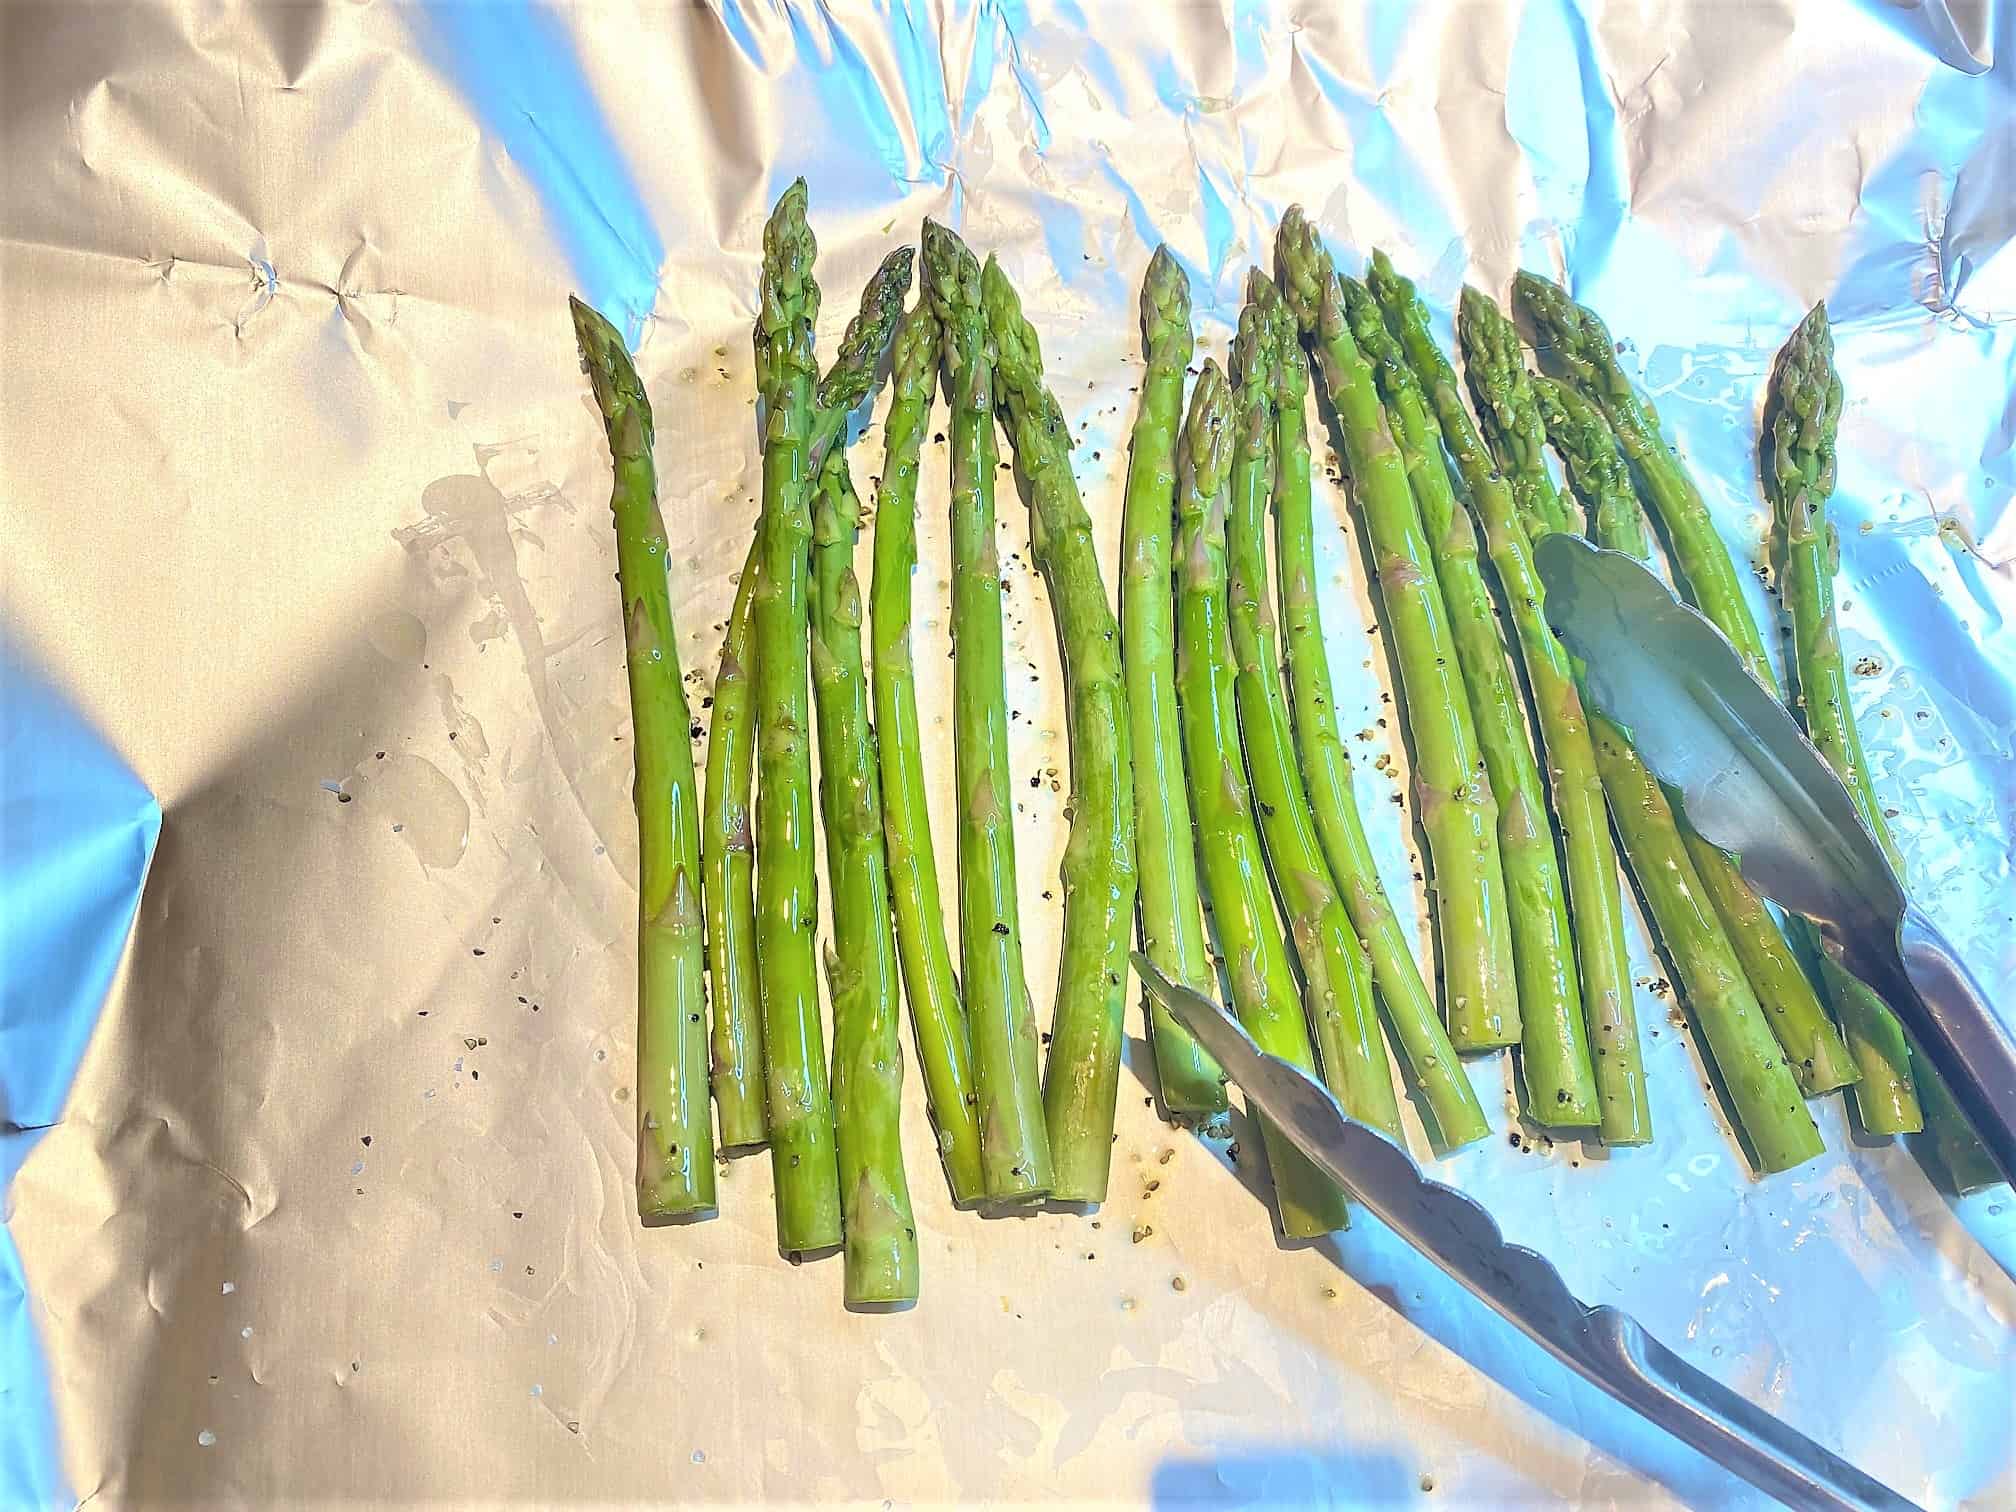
1801 422
728 878
1761 1087
1336 975
1172 928
1014 1146
1595 466
852 377
1802 418
881 1236
1454 1116
675 1140
1510 416
1695 933
1457 808
1820 1059
1234 869
787 889
1554 1041
1082 1077
1576 343
1505 505
1507 412
937 1022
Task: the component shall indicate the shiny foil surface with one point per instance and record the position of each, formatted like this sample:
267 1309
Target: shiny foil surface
305 510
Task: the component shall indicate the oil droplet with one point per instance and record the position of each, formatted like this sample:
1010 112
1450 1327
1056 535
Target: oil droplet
699 1456
427 810
398 637
206 1438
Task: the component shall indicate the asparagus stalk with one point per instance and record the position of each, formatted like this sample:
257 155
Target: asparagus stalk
1696 932
1454 1116
1082 1077
1457 809
881 1235
675 1140
1801 422
787 889
1234 868
1508 414
1820 1059
1554 1040
1172 927
937 1022
1336 975
1014 1145
728 879
1754 1069
856 365
1802 419
1510 417
1575 343
1507 501
1595 466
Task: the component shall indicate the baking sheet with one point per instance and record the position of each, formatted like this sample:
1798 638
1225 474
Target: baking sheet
305 511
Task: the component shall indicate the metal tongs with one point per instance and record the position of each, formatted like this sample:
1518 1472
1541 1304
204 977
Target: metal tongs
1751 783
1600 1344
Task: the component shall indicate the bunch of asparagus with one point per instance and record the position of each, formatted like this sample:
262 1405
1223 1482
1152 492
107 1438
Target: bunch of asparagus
1207 770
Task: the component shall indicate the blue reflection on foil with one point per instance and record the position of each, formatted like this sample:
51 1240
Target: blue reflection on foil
1569 136
520 71
77 830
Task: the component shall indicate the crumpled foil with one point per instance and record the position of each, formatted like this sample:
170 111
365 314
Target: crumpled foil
306 512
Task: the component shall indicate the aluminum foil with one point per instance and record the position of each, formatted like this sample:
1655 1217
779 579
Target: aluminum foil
305 513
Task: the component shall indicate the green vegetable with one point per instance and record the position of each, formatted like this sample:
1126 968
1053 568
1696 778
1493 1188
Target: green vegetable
1753 1068
881 1236
1336 975
1554 1043
1801 420
787 889
1172 926
1082 1078
1233 866
1511 421
856 365
1014 1146
1596 468
1576 345
1457 809
937 1022
1820 1059
1454 1116
675 1138
1507 412
1663 854
728 880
